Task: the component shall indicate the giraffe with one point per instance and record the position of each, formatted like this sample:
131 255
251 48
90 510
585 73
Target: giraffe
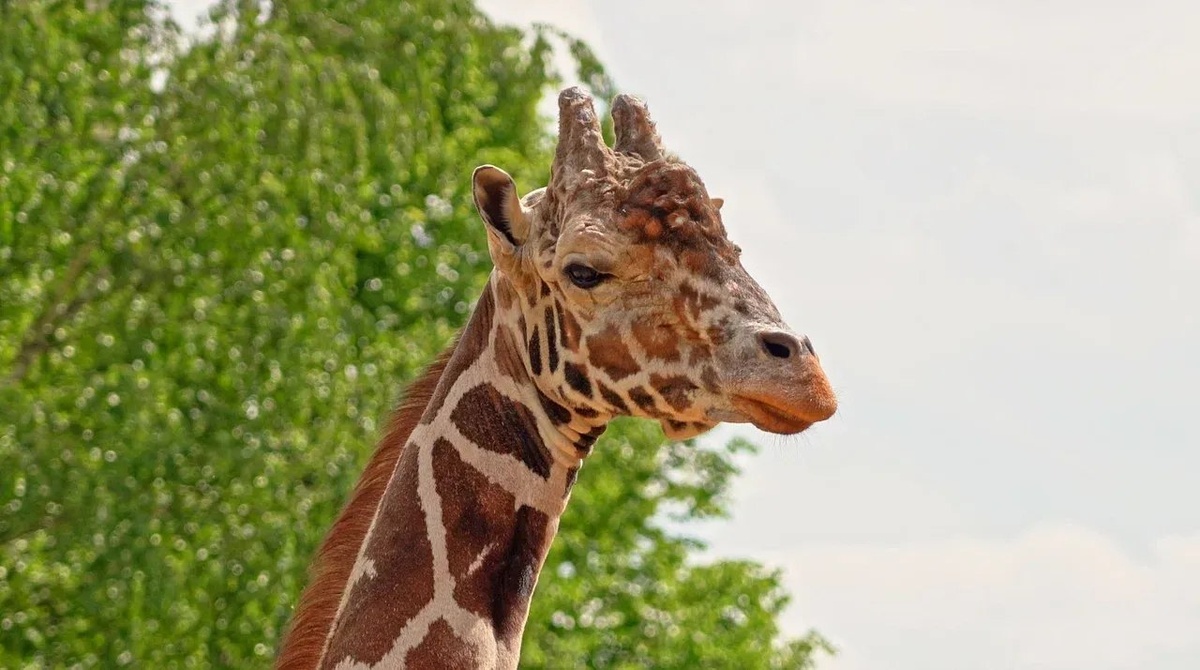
615 291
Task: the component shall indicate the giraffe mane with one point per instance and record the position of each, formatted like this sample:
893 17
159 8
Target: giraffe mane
304 642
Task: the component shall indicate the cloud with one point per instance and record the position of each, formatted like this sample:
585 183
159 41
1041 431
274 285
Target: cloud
1056 596
995 57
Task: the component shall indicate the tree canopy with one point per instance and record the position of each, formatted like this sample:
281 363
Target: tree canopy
219 263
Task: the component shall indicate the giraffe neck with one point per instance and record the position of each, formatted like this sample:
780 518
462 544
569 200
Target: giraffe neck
445 573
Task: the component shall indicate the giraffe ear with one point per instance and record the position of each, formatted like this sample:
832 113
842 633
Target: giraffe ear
499 207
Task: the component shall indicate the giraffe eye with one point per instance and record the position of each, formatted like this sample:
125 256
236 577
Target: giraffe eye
584 276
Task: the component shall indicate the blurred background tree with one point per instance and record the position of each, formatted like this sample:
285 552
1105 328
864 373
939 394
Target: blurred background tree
219 262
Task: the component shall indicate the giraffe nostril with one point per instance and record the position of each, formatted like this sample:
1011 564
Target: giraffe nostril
807 343
779 344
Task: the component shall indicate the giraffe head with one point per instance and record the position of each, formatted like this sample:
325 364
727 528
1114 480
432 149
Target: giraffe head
625 296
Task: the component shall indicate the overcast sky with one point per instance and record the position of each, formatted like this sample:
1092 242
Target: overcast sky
985 214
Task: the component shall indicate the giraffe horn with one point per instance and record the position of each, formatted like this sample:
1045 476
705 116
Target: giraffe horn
580 142
634 129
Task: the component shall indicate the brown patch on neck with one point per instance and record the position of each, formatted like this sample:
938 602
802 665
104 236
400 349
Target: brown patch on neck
495 549
506 294
492 421
551 341
304 642
402 554
517 577
509 357
441 648
472 341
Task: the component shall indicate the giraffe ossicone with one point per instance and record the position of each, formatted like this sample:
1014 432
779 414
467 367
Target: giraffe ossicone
616 291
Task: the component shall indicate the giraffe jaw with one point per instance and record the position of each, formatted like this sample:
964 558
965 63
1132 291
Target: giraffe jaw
768 414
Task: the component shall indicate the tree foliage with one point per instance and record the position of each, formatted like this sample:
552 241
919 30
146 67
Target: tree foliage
217 266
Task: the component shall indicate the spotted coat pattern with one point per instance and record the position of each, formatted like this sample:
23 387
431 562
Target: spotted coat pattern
448 551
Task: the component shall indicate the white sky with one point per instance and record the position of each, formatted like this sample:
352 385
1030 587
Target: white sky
985 213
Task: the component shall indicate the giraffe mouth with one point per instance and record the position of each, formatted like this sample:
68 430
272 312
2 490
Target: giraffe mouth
769 416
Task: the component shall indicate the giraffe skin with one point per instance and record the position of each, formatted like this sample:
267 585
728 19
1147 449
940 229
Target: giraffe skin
616 291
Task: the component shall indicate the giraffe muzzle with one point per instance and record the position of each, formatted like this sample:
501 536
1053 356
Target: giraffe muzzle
783 390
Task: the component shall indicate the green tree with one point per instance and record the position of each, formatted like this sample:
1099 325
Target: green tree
217 265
